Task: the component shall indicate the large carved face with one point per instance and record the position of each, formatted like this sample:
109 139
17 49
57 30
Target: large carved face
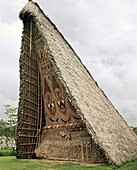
57 106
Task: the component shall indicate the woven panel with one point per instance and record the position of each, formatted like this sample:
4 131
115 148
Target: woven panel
69 143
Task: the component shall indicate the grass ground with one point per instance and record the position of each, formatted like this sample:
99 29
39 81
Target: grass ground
11 163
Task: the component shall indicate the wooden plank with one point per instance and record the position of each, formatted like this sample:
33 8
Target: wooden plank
28 74
27 129
30 66
28 123
31 101
30 114
24 144
28 56
27 136
31 82
36 94
24 153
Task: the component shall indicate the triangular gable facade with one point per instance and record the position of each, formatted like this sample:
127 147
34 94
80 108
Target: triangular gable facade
63 114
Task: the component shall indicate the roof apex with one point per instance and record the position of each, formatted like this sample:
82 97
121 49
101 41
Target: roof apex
28 8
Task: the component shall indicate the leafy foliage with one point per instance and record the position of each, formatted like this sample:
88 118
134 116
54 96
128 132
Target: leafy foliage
8 127
7 152
135 130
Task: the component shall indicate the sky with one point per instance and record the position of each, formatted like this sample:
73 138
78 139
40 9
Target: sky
104 35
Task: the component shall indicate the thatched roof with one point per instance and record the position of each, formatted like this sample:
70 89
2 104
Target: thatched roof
104 123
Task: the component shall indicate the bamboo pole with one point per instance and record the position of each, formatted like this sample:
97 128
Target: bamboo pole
82 151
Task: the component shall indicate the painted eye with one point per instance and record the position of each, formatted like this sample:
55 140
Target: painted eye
63 101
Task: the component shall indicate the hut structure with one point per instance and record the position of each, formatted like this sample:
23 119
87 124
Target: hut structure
63 114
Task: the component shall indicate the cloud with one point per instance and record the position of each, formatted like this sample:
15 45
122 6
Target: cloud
103 33
9 63
9 10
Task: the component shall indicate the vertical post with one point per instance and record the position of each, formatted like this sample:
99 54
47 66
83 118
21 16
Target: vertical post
38 112
82 151
87 152
40 109
29 71
30 63
30 35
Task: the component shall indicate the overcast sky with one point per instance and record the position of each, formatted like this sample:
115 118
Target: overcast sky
102 32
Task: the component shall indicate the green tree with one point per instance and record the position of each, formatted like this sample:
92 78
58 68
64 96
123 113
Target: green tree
135 130
8 127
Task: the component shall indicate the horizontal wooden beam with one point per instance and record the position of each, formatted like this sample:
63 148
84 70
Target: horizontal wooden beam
27 129
27 123
29 115
25 153
27 136
24 144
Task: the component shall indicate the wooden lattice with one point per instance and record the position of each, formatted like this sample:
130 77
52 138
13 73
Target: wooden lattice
30 101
